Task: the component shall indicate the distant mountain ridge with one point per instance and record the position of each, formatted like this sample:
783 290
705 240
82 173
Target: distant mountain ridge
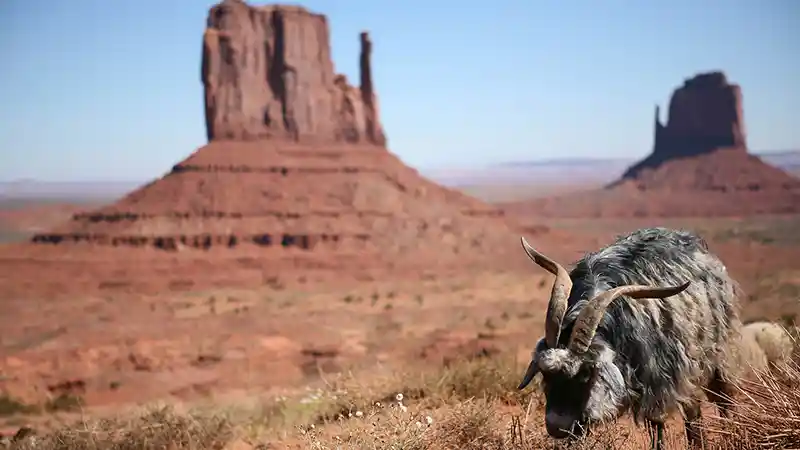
578 170
581 171
66 190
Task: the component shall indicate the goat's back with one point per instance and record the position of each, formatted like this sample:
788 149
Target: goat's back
674 345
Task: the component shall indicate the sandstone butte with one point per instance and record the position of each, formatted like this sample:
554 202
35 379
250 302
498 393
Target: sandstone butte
700 166
296 175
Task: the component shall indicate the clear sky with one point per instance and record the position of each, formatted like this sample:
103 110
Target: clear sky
110 90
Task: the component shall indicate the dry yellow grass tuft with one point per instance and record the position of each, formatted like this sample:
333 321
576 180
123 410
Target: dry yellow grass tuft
767 413
468 405
158 428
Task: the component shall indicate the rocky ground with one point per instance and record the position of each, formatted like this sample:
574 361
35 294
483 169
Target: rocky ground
102 352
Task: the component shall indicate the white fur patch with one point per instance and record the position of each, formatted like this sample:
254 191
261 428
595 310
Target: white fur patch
605 399
606 356
559 360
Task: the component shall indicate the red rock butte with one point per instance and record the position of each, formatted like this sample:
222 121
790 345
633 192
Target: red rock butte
296 159
267 72
700 166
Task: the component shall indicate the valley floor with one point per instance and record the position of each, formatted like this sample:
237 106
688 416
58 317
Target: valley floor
256 357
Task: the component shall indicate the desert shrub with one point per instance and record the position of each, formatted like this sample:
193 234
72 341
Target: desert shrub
156 429
64 402
10 406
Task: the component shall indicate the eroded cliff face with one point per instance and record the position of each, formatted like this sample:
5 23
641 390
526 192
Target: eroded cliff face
267 72
705 114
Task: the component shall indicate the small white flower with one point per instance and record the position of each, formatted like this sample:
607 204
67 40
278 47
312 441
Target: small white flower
349 414
378 404
399 397
312 426
429 420
359 413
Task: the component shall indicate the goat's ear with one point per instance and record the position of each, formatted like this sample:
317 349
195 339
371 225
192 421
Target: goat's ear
533 367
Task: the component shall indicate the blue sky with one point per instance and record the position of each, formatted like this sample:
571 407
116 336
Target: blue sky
110 90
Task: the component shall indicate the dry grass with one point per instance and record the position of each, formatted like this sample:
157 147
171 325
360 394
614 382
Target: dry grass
159 428
469 405
767 413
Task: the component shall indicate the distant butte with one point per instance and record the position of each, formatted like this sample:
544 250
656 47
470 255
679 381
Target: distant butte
700 166
705 115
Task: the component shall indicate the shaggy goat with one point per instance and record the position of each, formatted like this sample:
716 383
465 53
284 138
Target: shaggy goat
765 345
645 352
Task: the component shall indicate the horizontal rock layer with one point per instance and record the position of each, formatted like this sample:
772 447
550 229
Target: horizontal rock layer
230 194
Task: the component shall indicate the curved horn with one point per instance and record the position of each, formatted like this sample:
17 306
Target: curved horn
558 296
589 318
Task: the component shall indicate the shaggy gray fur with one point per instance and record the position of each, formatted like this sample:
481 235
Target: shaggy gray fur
650 356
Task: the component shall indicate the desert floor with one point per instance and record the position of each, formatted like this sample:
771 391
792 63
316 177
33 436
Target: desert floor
321 365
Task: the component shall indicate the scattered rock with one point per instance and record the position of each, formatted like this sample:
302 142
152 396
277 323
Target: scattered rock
22 433
325 359
279 346
68 387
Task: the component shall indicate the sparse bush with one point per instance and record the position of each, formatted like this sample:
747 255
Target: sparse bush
160 428
471 425
10 406
64 402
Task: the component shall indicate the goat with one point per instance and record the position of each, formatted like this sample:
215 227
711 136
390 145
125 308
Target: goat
765 345
645 353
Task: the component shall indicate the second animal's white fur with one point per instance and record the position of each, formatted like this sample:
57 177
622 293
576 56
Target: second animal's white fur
765 345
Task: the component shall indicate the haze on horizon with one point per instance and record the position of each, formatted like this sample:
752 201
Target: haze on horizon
99 90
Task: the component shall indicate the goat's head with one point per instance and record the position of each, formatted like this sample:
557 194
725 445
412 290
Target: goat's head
582 383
